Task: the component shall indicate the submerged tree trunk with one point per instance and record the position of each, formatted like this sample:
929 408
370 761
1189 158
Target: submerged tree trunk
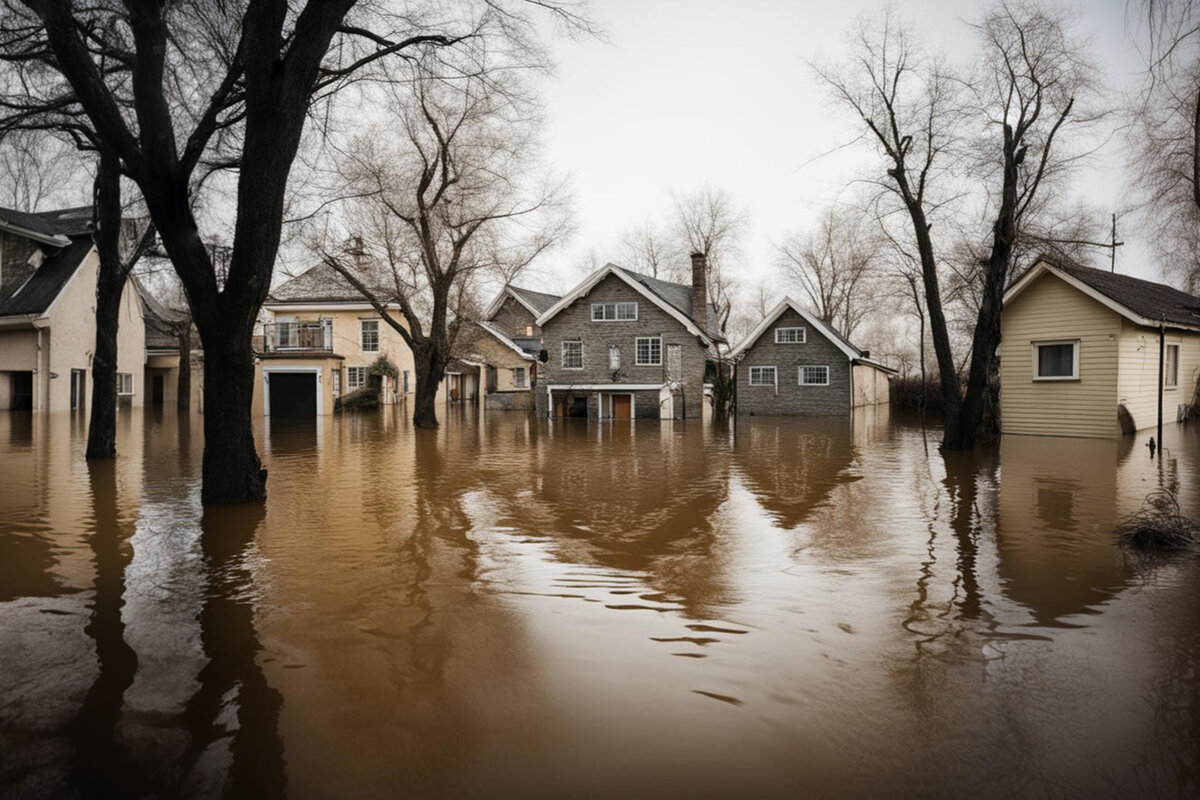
430 366
232 472
110 282
183 392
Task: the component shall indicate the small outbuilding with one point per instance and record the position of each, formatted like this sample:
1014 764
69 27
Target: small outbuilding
793 363
1081 348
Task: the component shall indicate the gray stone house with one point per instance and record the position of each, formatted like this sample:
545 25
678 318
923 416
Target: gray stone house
793 363
506 343
622 345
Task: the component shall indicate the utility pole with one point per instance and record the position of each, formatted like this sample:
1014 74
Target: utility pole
1115 244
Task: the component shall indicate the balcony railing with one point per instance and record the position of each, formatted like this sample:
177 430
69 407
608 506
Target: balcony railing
298 337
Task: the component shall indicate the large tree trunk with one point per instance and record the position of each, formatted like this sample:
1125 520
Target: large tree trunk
430 366
232 472
110 282
183 392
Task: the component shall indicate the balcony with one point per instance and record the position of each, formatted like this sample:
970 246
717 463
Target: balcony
298 337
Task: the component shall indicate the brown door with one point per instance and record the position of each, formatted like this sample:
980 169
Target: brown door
622 407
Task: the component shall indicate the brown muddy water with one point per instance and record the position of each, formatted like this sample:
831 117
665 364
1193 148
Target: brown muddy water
516 608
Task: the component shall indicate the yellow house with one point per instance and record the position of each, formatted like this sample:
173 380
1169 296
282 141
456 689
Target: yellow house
1081 347
48 271
319 342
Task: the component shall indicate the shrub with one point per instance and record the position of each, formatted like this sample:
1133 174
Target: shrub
1159 525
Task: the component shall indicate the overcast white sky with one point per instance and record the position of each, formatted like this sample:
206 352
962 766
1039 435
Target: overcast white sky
688 91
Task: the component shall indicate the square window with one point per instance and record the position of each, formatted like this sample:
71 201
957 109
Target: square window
648 351
572 355
814 376
519 377
356 377
791 335
1056 361
369 331
762 376
124 383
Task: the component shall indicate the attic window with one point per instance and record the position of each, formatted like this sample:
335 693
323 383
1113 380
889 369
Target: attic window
614 312
791 335
1056 361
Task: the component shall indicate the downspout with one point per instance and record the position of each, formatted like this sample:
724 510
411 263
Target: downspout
1162 335
37 373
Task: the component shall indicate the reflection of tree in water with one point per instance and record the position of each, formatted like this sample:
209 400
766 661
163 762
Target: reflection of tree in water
229 639
792 465
103 766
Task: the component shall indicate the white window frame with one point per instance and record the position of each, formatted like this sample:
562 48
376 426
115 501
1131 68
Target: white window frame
616 311
785 340
800 375
614 357
564 354
774 376
519 382
337 382
350 373
1074 376
637 351
129 379
1171 381
362 335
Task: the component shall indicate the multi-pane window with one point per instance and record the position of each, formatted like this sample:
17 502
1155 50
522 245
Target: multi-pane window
1055 361
614 357
649 351
572 355
614 312
124 383
337 382
762 376
286 334
1171 367
814 376
519 377
356 377
369 330
790 335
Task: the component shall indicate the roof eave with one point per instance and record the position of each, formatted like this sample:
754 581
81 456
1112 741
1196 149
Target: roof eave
53 239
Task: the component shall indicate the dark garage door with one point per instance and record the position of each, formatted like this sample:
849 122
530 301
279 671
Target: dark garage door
293 394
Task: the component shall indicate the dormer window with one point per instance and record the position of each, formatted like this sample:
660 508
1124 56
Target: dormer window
614 312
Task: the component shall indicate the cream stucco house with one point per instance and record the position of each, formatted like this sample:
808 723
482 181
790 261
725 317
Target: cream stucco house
48 271
319 341
1080 352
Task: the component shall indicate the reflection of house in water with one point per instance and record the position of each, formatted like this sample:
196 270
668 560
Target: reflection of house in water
792 464
1059 502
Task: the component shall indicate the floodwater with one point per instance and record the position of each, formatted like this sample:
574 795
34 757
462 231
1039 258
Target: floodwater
516 608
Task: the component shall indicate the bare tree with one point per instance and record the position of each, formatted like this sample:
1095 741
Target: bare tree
181 91
836 266
648 249
914 109
447 202
708 221
36 170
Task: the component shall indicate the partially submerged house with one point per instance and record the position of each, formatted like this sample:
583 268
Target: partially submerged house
622 345
506 342
319 343
793 363
1081 347
48 272
169 334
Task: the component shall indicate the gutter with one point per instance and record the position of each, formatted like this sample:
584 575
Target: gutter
54 239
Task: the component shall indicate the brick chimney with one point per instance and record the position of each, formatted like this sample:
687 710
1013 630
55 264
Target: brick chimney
700 290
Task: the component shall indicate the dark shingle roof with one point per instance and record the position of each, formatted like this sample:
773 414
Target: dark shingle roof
159 320
539 300
47 281
323 284
679 296
62 222
1153 301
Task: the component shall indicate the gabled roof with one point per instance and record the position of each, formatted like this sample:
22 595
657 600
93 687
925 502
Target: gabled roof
37 295
159 319
1140 301
321 283
534 302
500 336
673 298
813 321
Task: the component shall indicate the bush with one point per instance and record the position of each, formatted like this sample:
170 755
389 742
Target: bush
1159 525
360 399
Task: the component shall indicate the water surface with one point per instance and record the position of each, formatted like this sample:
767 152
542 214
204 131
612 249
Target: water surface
509 607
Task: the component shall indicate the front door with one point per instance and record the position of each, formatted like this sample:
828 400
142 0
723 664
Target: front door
156 391
622 405
78 384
